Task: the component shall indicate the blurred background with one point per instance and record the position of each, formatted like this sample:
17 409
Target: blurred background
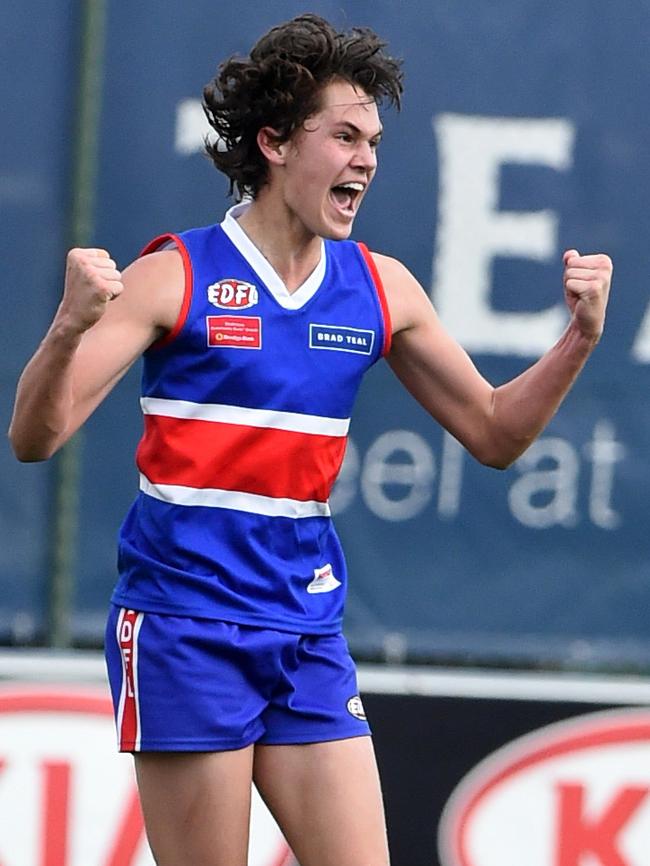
524 132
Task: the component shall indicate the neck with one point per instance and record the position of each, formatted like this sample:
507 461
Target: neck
292 251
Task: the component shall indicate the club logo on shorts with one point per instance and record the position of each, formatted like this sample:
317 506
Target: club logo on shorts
233 294
355 708
324 580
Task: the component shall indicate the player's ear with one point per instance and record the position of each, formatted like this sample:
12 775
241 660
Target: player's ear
270 145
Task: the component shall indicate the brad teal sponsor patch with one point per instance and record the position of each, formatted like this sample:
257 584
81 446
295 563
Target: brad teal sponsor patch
339 338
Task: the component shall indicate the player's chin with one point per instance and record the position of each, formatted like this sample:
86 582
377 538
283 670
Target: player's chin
342 235
339 230
336 223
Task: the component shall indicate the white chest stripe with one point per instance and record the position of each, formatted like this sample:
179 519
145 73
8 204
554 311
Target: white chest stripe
270 418
253 503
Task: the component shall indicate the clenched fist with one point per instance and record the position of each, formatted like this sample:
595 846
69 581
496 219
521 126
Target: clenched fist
586 289
91 281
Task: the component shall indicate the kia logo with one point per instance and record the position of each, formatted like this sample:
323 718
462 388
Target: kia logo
67 798
575 793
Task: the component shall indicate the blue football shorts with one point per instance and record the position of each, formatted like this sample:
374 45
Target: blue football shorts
186 684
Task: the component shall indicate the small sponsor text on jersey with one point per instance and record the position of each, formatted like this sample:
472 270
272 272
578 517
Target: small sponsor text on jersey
341 338
234 332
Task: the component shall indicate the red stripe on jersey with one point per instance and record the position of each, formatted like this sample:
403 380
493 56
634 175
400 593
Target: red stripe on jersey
152 247
127 631
381 294
264 461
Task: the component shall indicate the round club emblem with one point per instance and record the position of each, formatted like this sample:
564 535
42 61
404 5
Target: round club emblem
355 708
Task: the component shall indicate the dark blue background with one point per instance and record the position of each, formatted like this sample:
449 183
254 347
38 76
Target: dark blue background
479 585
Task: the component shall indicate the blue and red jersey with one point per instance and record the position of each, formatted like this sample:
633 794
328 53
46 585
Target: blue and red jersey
247 406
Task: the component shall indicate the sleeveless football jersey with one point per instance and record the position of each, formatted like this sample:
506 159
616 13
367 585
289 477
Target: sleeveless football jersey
246 405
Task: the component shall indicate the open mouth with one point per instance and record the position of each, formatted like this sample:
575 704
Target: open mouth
346 196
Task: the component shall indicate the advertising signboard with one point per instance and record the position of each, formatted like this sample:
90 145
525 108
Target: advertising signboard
67 799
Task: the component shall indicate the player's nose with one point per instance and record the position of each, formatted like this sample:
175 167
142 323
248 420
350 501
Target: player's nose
365 156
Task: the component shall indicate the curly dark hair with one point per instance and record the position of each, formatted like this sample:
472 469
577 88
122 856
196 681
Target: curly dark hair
280 85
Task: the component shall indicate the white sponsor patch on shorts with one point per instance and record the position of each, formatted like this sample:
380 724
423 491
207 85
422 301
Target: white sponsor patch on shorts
324 580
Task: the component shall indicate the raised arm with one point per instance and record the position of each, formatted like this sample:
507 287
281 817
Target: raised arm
496 425
104 322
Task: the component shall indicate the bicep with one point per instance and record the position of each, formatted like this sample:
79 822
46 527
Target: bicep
105 354
435 369
147 308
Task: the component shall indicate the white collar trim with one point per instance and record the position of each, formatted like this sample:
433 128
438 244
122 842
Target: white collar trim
262 266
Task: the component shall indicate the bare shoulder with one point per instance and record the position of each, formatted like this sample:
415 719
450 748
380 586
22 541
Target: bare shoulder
154 286
407 300
390 269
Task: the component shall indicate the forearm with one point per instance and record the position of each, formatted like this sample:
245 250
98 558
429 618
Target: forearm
523 407
44 398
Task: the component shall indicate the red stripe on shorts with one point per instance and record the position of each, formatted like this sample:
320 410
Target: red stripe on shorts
128 720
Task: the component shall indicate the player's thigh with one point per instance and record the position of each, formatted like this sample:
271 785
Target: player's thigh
326 797
196 806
